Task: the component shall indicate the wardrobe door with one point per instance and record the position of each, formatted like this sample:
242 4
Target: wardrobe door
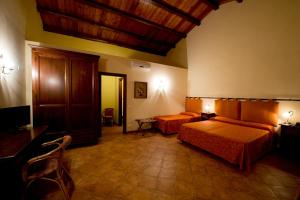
49 90
65 93
83 96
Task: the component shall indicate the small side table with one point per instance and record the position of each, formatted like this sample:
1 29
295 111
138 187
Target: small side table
206 116
290 140
142 122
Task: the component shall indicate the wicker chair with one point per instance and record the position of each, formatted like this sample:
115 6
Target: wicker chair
48 166
108 116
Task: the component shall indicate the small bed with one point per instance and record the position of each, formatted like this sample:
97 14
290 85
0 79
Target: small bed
241 140
169 124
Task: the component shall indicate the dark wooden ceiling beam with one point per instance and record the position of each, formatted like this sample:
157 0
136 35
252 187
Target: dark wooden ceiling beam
101 26
192 10
213 3
164 5
130 16
96 39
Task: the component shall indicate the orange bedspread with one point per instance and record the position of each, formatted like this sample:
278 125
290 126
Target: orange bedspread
169 124
240 144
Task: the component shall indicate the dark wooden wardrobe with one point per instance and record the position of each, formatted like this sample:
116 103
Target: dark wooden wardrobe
65 93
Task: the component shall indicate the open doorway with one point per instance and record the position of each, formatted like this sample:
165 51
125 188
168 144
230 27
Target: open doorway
113 101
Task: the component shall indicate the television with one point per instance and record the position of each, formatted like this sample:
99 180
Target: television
14 118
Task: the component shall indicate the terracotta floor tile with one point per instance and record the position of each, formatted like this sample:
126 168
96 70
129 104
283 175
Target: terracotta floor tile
167 164
132 179
116 176
102 189
185 178
123 190
199 181
155 162
141 194
222 194
82 195
131 166
289 180
179 196
148 182
242 196
271 180
182 189
166 185
284 193
87 182
162 196
158 155
241 183
204 192
167 173
151 171
170 158
262 190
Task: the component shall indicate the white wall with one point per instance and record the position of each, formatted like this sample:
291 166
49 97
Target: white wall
169 101
12 40
250 49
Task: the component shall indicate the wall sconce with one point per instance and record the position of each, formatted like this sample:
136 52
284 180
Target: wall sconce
4 69
287 116
161 84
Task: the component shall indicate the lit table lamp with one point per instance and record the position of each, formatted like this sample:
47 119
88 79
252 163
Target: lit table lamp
207 109
287 116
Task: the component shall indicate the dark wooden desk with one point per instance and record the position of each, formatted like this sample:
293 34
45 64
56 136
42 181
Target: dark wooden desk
16 147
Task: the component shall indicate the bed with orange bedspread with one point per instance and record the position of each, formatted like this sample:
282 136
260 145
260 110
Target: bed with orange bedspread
242 132
169 124
236 141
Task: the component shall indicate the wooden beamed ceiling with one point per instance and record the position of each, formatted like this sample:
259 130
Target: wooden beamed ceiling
100 25
133 17
213 3
164 5
153 26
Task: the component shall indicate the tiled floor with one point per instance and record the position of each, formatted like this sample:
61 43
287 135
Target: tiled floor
156 167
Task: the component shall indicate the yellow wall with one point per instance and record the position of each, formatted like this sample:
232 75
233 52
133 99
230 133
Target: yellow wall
12 42
34 32
178 55
247 50
110 94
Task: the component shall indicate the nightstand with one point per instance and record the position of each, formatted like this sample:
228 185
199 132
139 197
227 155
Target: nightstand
206 116
290 140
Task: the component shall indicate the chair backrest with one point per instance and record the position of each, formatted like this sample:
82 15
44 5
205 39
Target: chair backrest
60 145
108 112
66 141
